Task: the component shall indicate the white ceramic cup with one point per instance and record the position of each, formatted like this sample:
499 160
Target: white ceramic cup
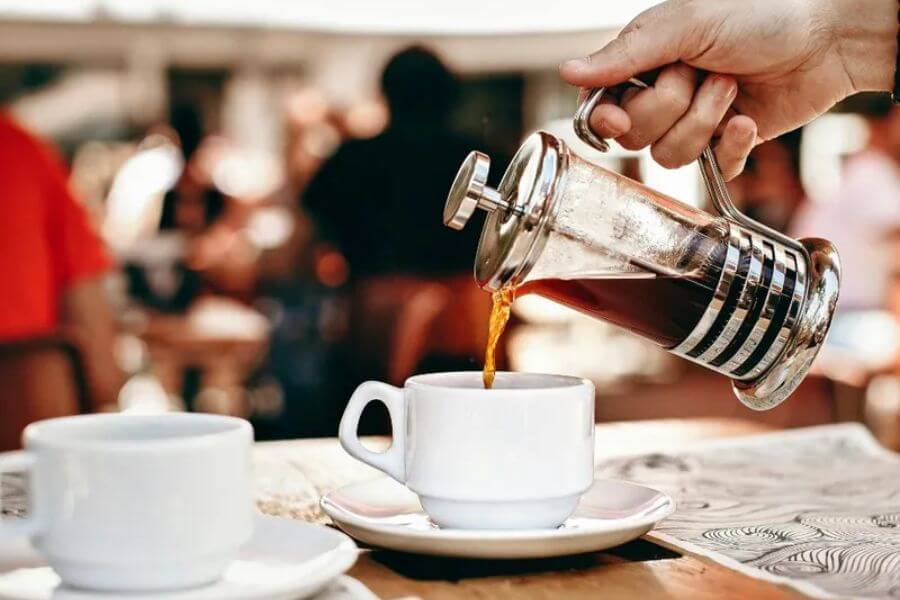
136 502
518 456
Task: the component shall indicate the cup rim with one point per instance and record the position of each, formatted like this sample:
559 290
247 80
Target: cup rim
556 382
50 433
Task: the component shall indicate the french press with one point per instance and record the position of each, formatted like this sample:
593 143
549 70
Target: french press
723 291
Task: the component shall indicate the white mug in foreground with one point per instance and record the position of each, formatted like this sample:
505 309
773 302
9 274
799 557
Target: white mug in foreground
518 456
131 503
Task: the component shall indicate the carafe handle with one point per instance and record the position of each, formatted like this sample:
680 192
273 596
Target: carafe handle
709 168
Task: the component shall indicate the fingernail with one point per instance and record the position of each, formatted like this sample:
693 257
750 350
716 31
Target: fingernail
575 63
732 91
727 85
614 131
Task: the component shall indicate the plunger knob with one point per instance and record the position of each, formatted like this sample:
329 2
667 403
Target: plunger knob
470 191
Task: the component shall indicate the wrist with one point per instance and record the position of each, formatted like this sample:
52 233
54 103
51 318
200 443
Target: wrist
865 36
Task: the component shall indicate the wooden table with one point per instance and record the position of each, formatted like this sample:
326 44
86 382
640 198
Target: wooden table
292 476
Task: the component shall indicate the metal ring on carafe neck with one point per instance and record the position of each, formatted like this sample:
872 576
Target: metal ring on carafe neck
763 375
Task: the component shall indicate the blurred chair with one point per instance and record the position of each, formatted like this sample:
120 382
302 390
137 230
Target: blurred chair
40 378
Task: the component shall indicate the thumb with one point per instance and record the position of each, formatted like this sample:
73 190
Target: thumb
647 43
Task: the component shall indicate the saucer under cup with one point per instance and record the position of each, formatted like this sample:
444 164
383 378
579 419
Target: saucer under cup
283 560
384 513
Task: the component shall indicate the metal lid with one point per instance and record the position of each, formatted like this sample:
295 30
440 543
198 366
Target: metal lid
516 229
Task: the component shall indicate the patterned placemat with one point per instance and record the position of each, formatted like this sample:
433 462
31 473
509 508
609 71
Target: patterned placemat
817 509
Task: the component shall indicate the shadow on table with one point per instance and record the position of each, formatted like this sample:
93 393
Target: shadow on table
432 568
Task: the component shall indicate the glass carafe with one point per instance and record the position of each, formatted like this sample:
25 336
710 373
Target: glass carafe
723 291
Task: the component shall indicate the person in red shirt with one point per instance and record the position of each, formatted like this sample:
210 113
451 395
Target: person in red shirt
51 264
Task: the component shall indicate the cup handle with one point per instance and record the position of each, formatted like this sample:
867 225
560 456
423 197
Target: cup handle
391 461
21 526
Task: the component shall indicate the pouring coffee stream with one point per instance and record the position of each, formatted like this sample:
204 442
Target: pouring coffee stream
722 291
501 305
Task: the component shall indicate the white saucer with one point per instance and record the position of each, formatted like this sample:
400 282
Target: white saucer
284 560
384 513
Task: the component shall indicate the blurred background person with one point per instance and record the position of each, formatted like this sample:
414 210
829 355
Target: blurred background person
379 201
865 207
57 329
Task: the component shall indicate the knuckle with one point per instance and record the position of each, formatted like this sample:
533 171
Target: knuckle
683 72
674 98
627 47
641 20
634 25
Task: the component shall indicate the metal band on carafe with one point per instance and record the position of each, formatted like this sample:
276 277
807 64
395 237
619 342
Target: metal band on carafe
754 307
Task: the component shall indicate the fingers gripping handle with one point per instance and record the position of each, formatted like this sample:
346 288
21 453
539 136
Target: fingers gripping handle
391 461
583 115
709 168
12 462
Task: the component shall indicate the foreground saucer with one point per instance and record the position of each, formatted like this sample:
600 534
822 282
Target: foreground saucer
284 560
384 513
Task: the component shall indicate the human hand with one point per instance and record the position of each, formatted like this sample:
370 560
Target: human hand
778 63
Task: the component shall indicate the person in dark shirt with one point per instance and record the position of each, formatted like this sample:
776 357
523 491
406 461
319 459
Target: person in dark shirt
380 202
381 199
